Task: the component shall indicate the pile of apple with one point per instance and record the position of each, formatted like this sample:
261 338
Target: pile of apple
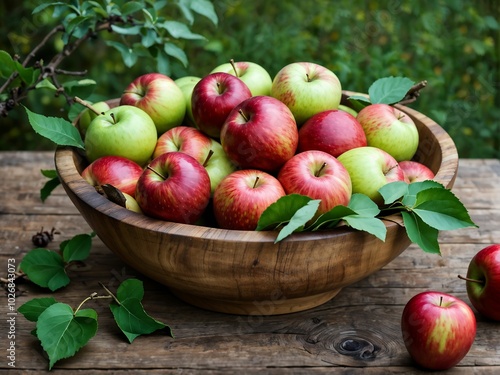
229 144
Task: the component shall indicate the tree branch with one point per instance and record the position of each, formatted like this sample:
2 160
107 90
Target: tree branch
413 93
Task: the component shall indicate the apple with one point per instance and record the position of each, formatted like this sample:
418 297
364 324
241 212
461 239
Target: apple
242 196
186 84
333 131
125 131
118 171
371 168
87 115
348 110
483 281
307 88
389 129
438 329
131 203
160 97
317 175
260 133
204 149
174 187
415 171
255 76
214 96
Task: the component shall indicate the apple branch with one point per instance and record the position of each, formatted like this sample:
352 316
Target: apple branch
413 93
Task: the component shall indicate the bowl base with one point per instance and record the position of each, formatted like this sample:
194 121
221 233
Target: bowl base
265 307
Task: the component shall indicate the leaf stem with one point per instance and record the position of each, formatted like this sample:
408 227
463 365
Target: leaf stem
92 296
109 293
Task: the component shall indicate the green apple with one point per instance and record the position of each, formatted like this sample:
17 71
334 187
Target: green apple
218 165
389 129
370 168
125 131
186 84
87 115
348 110
255 76
307 88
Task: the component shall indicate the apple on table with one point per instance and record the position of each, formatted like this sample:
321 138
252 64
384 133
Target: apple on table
254 75
174 187
389 129
307 88
213 97
260 133
125 131
159 96
438 329
317 175
483 281
242 196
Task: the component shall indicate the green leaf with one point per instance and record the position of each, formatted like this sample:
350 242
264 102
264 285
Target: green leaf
420 233
128 56
46 84
131 7
389 90
82 88
41 7
48 188
331 218
371 225
133 30
49 173
58 130
7 64
45 268
62 333
174 51
415 187
28 75
129 313
281 211
77 248
34 307
205 8
358 102
441 209
179 30
393 191
298 221
363 205
149 38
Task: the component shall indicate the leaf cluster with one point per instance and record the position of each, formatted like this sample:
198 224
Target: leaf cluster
63 331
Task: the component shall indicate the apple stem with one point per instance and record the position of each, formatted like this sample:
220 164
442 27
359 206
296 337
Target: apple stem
155 171
318 172
113 117
471 280
243 114
87 105
209 155
234 67
440 301
256 182
308 78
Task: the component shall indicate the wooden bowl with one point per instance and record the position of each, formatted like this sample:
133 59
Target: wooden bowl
245 272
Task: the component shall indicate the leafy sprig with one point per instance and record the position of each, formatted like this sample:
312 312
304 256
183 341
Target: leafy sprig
426 208
63 331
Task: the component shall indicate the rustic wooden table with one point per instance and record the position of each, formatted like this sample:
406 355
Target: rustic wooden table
356 332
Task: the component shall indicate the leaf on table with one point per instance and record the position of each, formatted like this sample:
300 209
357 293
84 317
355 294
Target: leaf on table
48 188
129 313
56 129
62 333
34 307
420 233
45 268
77 248
389 90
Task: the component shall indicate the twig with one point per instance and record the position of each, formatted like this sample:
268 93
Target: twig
413 93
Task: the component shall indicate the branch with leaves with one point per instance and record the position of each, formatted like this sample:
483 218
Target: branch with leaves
140 28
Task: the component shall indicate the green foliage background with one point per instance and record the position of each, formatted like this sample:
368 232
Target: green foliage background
453 44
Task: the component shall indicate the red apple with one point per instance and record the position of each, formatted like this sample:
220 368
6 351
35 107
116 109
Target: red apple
174 187
160 97
242 196
438 329
389 129
213 97
483 281
260 133
118 171
332 131
317 175
415 171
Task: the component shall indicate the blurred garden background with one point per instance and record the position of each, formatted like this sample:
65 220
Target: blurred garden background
453 44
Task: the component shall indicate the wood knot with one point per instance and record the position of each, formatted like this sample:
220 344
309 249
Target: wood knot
358 348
